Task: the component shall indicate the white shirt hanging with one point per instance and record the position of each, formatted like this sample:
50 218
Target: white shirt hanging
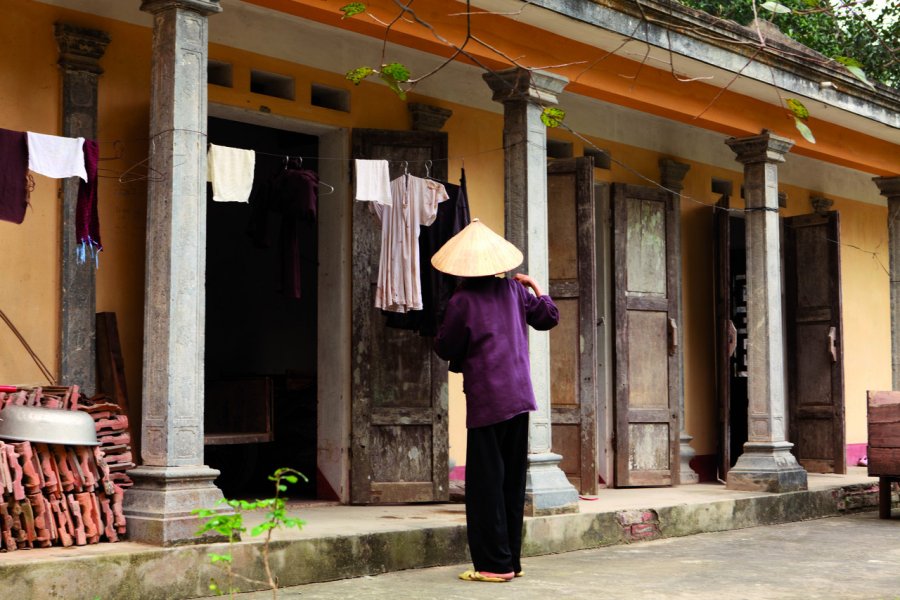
230 170
415 203
373 181
56 156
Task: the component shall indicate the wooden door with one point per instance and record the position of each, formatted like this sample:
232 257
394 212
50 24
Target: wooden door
646 346
815 342
573 369
399 447
730 264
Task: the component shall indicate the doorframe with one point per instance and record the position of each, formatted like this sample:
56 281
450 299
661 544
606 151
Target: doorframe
334 296
605 354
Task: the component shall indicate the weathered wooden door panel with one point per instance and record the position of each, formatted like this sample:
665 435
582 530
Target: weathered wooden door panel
573 371
646 337
399 388
815 341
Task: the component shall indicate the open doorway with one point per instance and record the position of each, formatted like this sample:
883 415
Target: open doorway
261 320
731 333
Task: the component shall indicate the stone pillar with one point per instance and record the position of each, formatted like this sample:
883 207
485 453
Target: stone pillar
672 178
766 463
80 51
890 189
523 93
173 480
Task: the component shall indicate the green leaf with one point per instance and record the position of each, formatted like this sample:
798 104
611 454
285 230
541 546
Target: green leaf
552 116
397 71
861 75
847 61
394 85
356 76
804 130
214 558
776 8
798 109
290 478
352 9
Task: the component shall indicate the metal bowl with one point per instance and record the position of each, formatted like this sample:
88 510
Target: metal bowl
48 425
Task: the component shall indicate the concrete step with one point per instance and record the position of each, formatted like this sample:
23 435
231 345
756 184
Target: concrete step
352 541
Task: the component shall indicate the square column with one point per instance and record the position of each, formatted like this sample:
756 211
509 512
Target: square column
890 189
671 173
80 51
523 94
172 481
767 463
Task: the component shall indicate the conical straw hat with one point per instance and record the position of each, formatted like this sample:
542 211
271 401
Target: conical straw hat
476 251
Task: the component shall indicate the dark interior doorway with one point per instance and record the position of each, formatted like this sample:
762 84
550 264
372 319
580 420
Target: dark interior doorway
737 367
260 337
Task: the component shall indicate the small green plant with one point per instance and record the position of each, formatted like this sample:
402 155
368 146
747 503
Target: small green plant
231 526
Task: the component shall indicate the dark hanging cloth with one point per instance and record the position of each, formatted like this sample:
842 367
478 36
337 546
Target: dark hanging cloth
87 218
294 193
437 287
13 175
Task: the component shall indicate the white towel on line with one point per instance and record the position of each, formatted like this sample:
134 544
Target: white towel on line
230 170
56 156
373 181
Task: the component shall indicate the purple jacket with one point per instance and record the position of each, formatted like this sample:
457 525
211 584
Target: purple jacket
484 335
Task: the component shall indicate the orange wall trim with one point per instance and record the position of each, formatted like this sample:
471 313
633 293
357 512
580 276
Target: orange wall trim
653 91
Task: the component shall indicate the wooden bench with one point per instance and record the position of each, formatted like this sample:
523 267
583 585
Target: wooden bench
884 445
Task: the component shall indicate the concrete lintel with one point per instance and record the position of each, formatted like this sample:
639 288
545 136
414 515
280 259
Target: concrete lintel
518 84
763 148
767 467
547 490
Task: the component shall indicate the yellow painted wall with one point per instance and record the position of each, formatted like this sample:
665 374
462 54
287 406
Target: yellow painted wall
29 263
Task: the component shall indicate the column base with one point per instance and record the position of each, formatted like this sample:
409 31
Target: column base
158 507
547 490
767 467
686 474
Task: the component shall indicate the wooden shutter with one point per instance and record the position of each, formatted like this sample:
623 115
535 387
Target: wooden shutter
812 255
573 370
399 387
647 435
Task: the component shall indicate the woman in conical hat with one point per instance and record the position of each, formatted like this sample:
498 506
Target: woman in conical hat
484 335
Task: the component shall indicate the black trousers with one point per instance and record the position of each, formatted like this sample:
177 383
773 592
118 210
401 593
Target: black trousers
496 462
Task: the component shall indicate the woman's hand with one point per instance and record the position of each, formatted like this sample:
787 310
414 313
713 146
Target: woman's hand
528 282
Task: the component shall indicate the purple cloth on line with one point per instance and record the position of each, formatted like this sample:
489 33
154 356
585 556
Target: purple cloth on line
484 335
295 194
13 175
87 219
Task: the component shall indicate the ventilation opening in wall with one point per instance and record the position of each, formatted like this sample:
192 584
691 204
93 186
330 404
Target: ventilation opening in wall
219 73
272 84
558 149
329 97
601 157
